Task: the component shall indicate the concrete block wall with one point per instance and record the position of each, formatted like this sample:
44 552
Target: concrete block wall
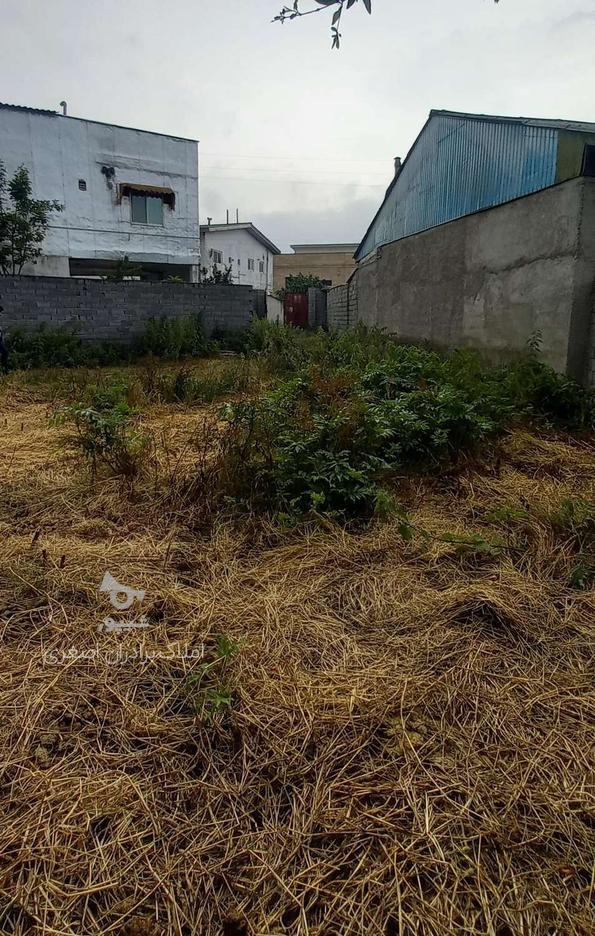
117 312
337 308
342 305
494 279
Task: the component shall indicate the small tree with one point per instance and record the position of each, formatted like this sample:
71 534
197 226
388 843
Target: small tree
24 221
299 283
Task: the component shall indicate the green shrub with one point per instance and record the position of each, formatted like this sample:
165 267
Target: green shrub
185 386
45 347
356 409
104 431
58 347
307 447
174 338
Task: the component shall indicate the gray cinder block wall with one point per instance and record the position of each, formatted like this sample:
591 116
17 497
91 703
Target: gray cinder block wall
342 305
117 312
491 280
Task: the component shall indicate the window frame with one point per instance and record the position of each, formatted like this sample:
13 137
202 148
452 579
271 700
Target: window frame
135 198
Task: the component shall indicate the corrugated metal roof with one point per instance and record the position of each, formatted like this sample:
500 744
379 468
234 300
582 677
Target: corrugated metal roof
461 163
28 110
578 126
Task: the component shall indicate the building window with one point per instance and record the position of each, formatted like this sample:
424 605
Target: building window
239 263
589 161
146 209
82 185
250 264
327 282
261 266
217 256
230 261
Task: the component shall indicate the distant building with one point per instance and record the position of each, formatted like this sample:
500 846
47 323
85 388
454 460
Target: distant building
125 192
463 163
241 247
332 263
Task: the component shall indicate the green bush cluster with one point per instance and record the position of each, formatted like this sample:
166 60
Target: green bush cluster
185 386
358 409
172 339
104 430
56 347
168 339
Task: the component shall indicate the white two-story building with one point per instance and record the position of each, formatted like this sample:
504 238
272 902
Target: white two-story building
243 249
125 192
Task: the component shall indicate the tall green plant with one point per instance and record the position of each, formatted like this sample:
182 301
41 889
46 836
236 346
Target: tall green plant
24 221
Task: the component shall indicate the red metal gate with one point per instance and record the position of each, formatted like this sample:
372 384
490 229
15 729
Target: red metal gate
295 309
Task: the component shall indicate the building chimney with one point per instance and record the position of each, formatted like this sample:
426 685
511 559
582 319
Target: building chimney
237 215
227 216
64 107
398 165
209 222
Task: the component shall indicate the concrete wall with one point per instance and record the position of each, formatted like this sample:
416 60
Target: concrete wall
96 224
117 312
274 310
493 279
342 305
238 246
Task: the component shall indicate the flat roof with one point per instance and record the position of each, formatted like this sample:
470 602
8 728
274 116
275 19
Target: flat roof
241 226
322 248
101 123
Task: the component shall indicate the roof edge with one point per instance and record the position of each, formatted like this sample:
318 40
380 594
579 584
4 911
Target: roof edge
101 123
242 226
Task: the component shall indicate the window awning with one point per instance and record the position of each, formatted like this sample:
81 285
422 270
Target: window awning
126 189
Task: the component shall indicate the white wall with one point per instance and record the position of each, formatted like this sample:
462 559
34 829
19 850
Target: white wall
58 151
274 310
239 244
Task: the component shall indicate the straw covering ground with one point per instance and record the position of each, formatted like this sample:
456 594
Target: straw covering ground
395 735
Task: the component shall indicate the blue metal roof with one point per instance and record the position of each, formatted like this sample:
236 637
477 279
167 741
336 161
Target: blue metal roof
462 163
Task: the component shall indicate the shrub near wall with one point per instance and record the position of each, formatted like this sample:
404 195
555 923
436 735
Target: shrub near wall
117 313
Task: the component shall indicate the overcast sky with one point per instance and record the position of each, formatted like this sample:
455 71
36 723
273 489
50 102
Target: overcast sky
299 138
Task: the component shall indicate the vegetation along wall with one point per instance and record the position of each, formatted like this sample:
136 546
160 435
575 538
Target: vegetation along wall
117 312
491 280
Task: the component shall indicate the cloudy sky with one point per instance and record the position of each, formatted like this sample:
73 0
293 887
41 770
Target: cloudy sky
300 139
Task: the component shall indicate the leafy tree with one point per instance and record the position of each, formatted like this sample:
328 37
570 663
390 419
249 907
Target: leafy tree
24 221
299 283
337 6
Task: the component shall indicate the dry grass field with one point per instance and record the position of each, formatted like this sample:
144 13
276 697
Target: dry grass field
321 730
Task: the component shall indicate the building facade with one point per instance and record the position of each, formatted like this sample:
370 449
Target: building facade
126 193
463 163
332 263
243 249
